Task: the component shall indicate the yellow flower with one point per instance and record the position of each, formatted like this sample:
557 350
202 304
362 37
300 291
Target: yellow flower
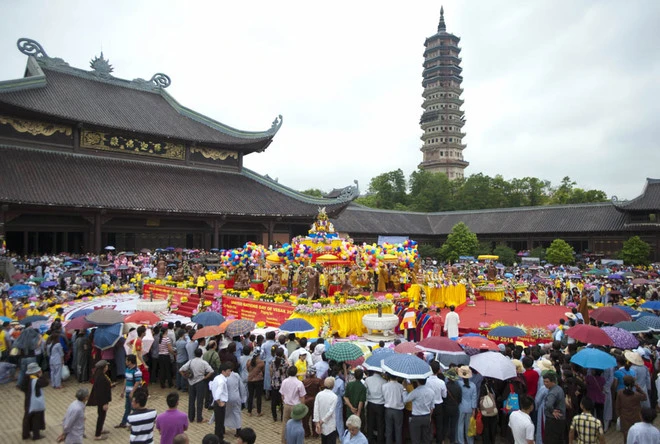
207 303
159 282
261 324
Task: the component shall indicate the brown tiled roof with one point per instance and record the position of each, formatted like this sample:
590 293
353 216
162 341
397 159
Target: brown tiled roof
79 97
58 179
596 217
649 200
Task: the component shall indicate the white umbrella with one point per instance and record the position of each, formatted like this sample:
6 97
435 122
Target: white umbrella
147 340
493 365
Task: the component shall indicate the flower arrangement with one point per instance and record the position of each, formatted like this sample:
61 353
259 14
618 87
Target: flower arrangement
522 327
571 305
207 303
484 326
184 299
539 333
490 287
552 327
498 323
261 324
318 309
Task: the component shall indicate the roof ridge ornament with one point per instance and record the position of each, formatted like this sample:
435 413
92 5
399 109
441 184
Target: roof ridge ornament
31 47
101 66
161 80
442 27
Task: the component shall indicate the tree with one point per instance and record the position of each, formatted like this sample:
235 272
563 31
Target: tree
566 193
460 242
507 255
389 190
428 250
429 192
538 252
635 251
560 252
485 248
315 192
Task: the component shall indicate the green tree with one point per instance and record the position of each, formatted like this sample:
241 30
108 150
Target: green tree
485 247
635 251
560 252
538 252
428 250
566 193
315 192
389 190
507 255
429 192
460 242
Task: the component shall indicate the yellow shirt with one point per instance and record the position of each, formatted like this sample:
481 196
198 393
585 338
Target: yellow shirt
301 366
32 312
3 342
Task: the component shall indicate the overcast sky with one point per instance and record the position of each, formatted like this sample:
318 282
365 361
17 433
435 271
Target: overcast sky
552 88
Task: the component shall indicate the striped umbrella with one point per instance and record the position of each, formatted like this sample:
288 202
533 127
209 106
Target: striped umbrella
632 327
373 362
652 322
406 366
241 327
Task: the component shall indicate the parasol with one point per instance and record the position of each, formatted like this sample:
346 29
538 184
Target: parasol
652 322
147 341
440 344
632 326
81 312
33 319
241 327
652 305
593 358
297 325
106 336
609 315
344 351
105 316
143 318
589 335
208 318
622 339
406 366
478 342
79 323
493 365
506 331
206 332
28 339
407 347
373 362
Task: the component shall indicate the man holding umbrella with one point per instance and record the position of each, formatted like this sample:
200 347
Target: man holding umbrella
422 399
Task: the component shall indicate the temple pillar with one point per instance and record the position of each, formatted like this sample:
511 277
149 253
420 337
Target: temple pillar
97 233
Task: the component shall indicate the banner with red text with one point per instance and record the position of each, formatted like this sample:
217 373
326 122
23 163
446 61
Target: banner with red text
273 314
163 292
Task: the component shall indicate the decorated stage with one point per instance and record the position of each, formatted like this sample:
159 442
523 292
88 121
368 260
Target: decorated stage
530 316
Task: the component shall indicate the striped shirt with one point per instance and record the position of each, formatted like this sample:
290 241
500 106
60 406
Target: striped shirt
162 346
133 377
142 423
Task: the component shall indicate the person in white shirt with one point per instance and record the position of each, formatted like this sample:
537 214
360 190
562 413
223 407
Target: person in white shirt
439 391
220 397
644 432
375 405
451 323
521 424
394 394
324 412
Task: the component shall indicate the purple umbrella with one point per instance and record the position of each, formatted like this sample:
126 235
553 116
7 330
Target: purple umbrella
622 339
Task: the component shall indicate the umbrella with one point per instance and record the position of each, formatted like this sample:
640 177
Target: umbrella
82 312
645 314
28 339
143 318
19 287
225 324
109 247
652 322
206 332
615 276
33 319
609 315
493 365
105 316
19 276
343 351
88 273
107 336
631 311
297 325
5 319
589 335
145 251
506 331
407 347
622 339
208 318
632 326
373 362
640 281
406 366
37 280
593 358
508 275
478 342
241 327
439 344
129 254
459 359
79 323
48 284
651 305
147 341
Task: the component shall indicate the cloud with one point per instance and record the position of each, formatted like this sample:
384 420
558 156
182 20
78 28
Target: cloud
552 88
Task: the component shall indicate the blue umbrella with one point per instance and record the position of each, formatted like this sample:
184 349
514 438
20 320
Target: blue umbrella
508 275
652 322
297 325
83 312
67 264
5 319
75 261
19 287
48 284
632 326
593 358
474 334
631 311
507 331
19 294
645 314
615 276
207 318
32 319
406 366
373 361
652 305
106 336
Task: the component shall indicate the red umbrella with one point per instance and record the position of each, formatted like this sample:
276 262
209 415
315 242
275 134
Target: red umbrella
439 344
609 315
589 335
478 342
206 332
407 347
143 318
79 323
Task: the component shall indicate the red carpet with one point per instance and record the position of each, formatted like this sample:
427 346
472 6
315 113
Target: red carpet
527 314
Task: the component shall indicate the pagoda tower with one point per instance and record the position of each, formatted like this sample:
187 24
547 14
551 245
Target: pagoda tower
442 120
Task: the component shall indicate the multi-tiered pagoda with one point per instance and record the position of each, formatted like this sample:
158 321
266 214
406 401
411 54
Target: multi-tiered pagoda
443 119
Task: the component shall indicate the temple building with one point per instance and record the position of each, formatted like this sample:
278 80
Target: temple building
442 120
88 159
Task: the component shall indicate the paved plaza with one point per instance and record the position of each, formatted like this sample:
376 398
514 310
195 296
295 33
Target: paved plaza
57 402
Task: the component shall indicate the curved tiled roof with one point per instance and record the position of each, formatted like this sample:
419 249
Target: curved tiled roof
649 200
63 179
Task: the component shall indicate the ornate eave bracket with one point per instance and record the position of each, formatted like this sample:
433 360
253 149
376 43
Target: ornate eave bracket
32 48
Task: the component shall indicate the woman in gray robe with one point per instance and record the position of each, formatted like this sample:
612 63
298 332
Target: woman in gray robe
82 357
237 397
120 357
608 407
